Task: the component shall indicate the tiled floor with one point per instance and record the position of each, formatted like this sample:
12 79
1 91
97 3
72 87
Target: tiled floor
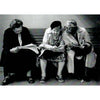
50 82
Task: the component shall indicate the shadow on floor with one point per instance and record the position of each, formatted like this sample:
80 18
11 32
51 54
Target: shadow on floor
68 82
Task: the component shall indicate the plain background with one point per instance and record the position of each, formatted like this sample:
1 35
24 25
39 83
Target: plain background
49 92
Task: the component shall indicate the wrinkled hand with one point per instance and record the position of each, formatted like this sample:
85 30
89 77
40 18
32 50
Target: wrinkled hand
56 49
15 49
53 48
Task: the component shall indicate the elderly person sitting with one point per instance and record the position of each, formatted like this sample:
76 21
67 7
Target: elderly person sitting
16 58
78 46
52 49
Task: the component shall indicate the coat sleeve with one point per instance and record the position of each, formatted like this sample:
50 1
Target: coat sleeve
45 37
65 38
6 47
45 40
6 41
62 46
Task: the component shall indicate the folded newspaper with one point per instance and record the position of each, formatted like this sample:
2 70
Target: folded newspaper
46 50
31 47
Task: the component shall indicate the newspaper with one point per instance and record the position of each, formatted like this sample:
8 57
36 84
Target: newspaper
31 47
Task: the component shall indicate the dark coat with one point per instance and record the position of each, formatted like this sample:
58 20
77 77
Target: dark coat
11 40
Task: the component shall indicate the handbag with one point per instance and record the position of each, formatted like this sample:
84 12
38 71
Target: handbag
91 60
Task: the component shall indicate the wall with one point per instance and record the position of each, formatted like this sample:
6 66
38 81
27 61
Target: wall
43 21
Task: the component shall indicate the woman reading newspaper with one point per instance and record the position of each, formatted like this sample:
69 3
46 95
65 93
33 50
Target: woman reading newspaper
19 53
52 48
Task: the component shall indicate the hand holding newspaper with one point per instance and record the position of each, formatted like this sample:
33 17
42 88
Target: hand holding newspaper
31 46
46 47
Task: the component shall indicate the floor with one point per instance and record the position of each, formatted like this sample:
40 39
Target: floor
50 82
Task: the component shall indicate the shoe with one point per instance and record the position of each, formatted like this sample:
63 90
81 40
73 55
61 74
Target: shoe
85 80
6 80
43 80
59 79
30 80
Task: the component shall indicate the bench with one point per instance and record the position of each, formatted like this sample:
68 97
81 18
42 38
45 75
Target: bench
37 35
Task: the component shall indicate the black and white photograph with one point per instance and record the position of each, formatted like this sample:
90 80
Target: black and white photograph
50 49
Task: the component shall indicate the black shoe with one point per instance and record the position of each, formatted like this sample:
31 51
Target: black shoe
6 80
43 80
30 80
59 79
86 79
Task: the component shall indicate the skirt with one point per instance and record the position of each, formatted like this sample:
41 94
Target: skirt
52 56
